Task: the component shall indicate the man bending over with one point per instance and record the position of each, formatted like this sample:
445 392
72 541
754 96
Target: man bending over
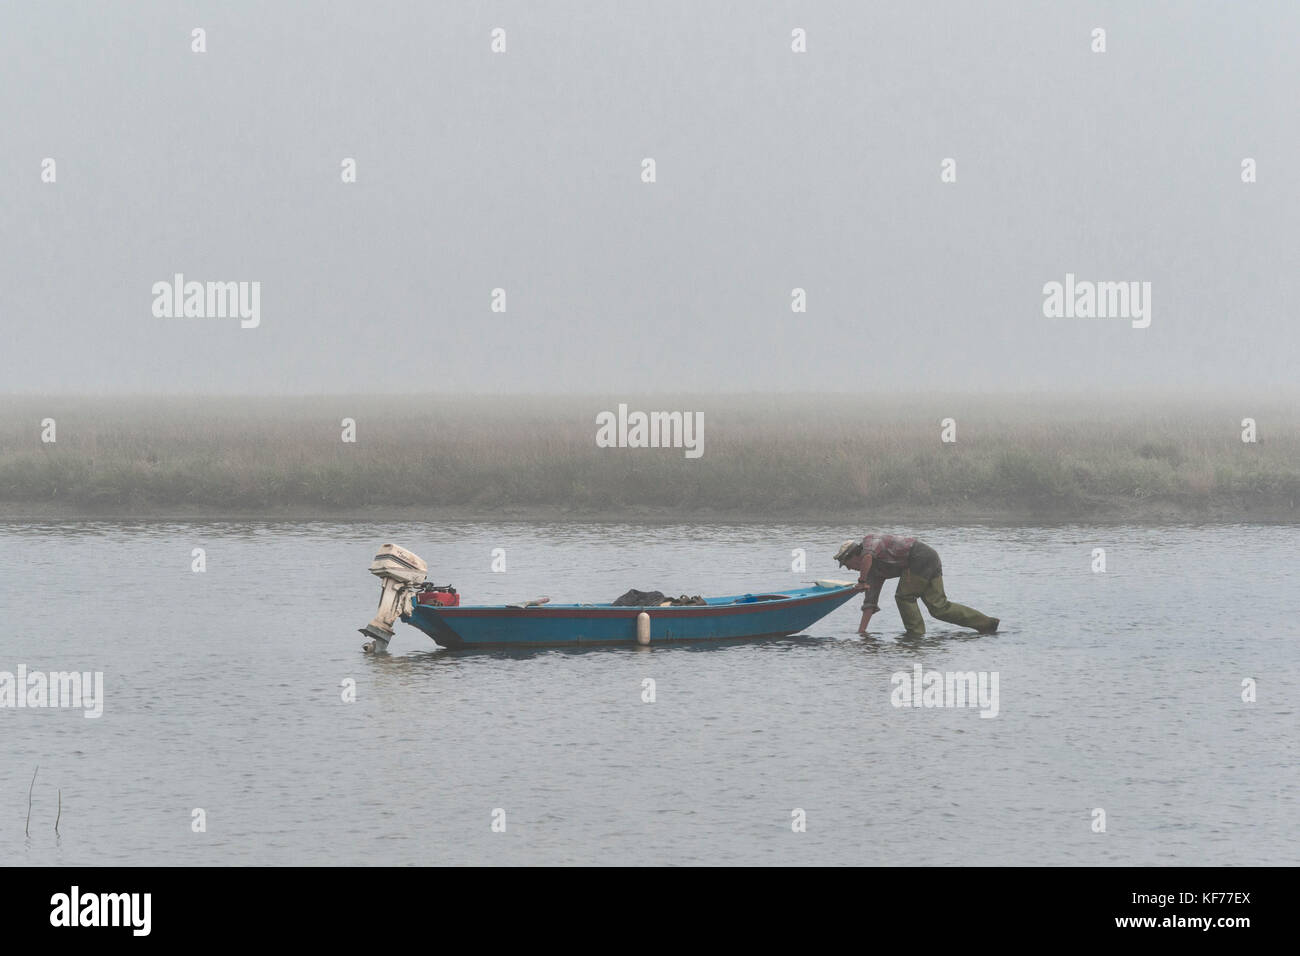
878 557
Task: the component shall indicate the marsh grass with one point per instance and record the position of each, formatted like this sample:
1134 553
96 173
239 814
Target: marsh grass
763 455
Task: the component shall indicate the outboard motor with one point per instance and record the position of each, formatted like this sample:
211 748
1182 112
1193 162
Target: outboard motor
402 573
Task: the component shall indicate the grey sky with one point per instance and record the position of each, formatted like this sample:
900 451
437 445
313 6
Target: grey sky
775 170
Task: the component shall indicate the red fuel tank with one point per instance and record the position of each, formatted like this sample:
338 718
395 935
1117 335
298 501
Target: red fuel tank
445 596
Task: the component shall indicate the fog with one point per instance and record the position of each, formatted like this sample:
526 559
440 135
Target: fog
522 171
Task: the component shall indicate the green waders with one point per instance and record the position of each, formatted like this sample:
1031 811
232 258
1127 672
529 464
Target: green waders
924 579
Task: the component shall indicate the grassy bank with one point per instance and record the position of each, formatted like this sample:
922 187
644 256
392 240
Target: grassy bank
1019 458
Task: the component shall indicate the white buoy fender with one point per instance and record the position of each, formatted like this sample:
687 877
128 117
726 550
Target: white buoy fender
643 628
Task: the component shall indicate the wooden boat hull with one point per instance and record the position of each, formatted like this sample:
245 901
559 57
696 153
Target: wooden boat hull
736 617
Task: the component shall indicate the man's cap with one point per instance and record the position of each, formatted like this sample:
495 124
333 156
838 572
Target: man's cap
847 550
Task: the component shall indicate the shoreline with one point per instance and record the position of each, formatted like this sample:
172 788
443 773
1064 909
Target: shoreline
854 462
1152 513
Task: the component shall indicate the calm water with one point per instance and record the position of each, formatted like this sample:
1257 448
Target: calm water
1119 691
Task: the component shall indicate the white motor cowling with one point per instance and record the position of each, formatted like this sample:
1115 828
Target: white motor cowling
402 572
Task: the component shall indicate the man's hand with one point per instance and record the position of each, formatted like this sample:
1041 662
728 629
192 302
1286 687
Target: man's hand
866 618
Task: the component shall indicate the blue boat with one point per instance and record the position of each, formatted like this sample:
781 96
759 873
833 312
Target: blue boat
736 617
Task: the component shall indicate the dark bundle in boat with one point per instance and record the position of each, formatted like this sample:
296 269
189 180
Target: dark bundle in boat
635 598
